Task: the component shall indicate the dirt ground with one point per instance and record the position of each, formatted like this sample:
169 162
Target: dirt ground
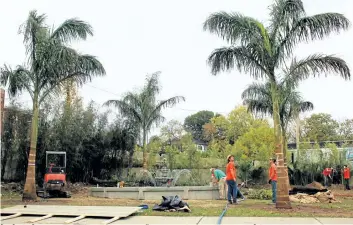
205 207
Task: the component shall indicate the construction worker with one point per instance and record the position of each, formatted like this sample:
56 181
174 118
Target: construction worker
272 175
327 176
231 179
220 179
346 176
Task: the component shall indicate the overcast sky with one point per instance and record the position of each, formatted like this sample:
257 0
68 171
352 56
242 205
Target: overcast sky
134 38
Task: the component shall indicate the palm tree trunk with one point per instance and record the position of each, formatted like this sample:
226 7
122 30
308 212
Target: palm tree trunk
282 185
284 141
29 192
144 160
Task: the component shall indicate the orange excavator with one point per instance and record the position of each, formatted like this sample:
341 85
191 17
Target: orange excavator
54 184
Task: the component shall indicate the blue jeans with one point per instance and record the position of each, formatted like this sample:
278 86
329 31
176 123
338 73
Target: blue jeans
274 190
232 190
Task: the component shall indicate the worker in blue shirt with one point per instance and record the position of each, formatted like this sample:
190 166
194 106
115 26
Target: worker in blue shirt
220 179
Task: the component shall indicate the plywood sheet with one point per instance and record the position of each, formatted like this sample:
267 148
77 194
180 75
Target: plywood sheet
56 210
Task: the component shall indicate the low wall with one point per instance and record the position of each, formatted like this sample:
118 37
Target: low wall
156 193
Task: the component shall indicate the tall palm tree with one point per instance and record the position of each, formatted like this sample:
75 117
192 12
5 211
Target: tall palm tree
260 51
50 63
144 109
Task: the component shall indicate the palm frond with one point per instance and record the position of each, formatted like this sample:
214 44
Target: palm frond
311 28
233 27
156 112
17 80
306 106
170 102
316 65
33 30
125 109
246 59
256 90
72 29
59 63
261 105
152 87
155 120
284 13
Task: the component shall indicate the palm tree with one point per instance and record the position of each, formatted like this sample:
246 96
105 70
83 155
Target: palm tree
258 98
50 63
261 51
144 109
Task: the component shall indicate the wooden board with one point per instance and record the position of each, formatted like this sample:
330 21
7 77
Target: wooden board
58 210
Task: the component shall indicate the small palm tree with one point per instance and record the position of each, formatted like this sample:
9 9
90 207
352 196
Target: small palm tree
261 51
144 109
50 63
258 98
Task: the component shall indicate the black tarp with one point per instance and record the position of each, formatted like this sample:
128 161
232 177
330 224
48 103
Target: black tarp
306 190
172 203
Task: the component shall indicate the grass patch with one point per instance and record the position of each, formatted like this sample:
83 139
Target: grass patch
248 208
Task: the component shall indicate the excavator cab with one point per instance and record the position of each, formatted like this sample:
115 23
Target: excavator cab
55 177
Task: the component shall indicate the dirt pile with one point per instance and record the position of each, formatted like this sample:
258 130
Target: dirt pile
76 188
323 197
315 185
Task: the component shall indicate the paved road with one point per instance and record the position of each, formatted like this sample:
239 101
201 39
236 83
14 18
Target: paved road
192 220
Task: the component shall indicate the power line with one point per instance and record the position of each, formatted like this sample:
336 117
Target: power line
109 92
190 110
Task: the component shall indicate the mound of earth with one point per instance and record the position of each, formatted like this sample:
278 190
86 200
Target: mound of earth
315 185
323 197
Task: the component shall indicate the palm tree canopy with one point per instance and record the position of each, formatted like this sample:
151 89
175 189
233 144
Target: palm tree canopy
260 50
258 98
143 107
50 60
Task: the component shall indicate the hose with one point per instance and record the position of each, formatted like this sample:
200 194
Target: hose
226 208
222 214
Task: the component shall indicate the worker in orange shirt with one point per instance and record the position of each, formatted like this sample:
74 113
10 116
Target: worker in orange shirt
272 174
231 179
346 176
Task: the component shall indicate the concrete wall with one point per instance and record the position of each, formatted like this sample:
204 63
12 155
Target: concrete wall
156 193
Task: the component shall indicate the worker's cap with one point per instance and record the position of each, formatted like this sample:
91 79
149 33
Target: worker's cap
229 156
211 169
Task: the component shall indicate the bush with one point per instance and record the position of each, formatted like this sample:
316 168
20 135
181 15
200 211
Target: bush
261 194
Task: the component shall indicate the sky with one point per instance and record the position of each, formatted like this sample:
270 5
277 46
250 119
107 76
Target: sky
135 38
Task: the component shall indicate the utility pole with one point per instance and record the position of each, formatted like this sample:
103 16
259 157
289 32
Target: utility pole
297 135
2 105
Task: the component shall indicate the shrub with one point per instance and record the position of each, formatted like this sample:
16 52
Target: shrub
261 194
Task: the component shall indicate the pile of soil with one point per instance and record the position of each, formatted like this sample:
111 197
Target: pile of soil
76 188
323 197
315 185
